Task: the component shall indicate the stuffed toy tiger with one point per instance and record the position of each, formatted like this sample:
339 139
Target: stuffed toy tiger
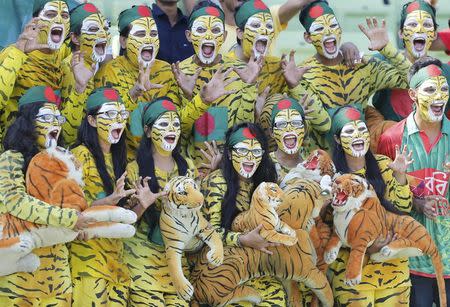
55 177
183 227
359 219
265 200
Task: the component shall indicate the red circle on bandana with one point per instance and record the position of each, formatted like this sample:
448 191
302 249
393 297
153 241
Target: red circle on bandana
260 5
205 124
433 71
50 95
168 105
413 6
316 11
284 104
352 114
144 11
111 94
90 8
247 133
212 11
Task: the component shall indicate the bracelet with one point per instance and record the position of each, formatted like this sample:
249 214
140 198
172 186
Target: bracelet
238 241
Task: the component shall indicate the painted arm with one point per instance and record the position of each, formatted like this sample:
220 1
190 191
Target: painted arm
11 60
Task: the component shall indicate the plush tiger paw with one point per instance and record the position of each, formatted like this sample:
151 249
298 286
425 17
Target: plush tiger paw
350 282
184 289
331 255
28 263
214 257
288 231
290 241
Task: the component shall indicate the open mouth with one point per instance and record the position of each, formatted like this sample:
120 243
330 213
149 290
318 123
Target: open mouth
147 53
115 133
419 42
248 166
56 34
330 45
358 145
208 50
340 198
170 139
261 45
437 108
313 163
100 48
290 141
53 134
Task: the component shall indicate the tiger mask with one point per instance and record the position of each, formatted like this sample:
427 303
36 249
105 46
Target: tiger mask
359 219
183 228
265 200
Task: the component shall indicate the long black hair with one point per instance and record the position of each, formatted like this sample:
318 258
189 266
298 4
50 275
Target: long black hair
88 136
265 172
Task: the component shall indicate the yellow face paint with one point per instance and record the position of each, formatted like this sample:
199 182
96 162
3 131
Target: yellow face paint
258 34
94 38
165 132
246 157
289 131
432 97
325 34
143 41
355 138
207 35
56 20
111 121
418 33
48 125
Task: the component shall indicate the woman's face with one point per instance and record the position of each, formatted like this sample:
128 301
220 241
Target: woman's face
246 157
165 132
110 122
48 125
289 131
355 138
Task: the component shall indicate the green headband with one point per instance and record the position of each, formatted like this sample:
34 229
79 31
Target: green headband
147 112
78 14
344 115
40 94
102 95
286 103
206 11
424 74
247 10
39 4
314 11
240 135
130 15
418 5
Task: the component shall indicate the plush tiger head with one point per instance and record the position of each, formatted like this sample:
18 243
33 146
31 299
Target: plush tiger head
349 192
143 41
70 169
55 19
207 36
183 193
258 34
267 193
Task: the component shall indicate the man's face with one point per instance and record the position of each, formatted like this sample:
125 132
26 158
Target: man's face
432 97
246 157
55 19
165 132
94 37
325 34
258 35
207 35
143 41
289 131
418 33
355 138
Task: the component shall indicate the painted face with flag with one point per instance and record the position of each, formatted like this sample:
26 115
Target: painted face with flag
54 16
246 152
323 29
207 32
431 92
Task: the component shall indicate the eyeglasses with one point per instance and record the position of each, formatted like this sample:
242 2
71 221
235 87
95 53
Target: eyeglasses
50 118
113 114
257 152
283 124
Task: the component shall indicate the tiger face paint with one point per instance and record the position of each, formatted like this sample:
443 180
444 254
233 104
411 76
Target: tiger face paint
258 35
48 125
207 35
418 33
143 41
94 38
56 21
165 132
432 97
111 121
355 138
246 157
325 34
289 131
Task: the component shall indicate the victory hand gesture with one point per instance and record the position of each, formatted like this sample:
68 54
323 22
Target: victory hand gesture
81 72
143 83
27 40
185 82
250 73
293 74
215 88
378 36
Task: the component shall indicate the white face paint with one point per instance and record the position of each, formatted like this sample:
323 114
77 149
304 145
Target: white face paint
355 138
418 33
325 34
207 37
143 41
94 38
166 131
110 128
258 35
48 128
56 21
432 96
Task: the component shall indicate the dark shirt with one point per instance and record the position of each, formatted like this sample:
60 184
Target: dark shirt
174 45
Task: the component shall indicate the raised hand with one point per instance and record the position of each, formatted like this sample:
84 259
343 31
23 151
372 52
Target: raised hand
402 160
185 82
293 74
249 74
215 88
261 102
81 72
143 83
144 195
377 35
27 40
213 155
120 191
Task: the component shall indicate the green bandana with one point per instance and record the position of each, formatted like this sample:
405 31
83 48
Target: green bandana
418 5
240 135
313 11
344 115
147 112
424 74
286 103
206 11
78 14
130 15
247 10
39 4
102 95
40 94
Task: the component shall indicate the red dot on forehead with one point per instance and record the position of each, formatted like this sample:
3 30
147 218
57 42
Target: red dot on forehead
89 7
284 104
248 134
260 5
316 11
413 6
433 71
144 11
111 94
352 114
212 11
168 105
